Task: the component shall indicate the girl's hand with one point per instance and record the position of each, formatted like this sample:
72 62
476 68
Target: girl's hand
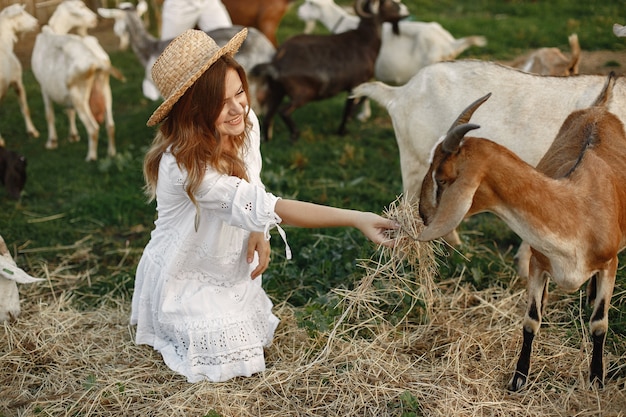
257 243
374 227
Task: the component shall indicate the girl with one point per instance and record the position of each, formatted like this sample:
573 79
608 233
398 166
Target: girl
198 298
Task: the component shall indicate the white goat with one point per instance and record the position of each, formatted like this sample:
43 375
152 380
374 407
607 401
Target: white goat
10 276
551 61
74 71
14 20
256 49
523 115
401 54
571 209
619 30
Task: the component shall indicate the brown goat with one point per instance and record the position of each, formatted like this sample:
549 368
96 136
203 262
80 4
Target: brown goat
264 15
571 209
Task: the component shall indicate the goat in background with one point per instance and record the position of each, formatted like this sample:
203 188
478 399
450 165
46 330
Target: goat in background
571 209
74 71
405 48
14 20
315 67
551 61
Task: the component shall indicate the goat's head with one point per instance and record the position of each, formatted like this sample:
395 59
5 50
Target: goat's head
310 10
386 10
20 20
73 14
446 197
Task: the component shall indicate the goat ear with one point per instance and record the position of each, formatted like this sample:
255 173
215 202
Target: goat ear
455 202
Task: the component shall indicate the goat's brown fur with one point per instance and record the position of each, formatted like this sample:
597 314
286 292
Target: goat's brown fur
571 210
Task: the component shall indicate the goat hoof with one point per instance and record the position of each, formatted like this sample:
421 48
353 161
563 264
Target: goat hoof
74 138
517 382
596 381
52 144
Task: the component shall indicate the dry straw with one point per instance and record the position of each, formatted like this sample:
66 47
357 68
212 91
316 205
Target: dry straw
449 354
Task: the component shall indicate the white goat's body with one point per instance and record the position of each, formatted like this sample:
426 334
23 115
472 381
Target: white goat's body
74 71
524 113
570 209
14 20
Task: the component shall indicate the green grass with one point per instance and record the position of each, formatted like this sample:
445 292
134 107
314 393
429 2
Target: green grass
68 200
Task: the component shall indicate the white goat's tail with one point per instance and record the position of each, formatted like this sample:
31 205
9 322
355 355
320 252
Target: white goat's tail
378 91
575 50
460 45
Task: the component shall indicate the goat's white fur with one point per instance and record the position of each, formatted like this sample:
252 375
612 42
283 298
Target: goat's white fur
10 276
401 55
15 20
571 210
74 71
619 30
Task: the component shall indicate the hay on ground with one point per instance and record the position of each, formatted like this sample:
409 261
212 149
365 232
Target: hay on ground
455 361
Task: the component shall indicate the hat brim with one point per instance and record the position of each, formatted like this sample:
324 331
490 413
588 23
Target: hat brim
231 48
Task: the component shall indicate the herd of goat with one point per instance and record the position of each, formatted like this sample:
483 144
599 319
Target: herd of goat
570 159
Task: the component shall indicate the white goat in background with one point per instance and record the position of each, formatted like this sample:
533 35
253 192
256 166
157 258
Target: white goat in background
14 20
401 54
74 71
619 30
10 276
571 209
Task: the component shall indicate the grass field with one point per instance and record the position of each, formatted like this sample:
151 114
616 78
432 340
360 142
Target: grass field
83 226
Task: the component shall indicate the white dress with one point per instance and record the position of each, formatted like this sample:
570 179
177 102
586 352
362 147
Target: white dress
194 300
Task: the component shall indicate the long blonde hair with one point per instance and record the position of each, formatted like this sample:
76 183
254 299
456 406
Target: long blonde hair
190 130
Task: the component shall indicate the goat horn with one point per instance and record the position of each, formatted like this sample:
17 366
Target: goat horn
358 8
455 135
466 114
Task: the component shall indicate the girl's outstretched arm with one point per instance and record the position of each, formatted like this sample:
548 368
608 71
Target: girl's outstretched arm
310 215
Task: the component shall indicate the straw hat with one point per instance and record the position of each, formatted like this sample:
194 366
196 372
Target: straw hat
183 61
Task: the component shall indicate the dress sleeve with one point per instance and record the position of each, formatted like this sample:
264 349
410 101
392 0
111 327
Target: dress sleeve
237 202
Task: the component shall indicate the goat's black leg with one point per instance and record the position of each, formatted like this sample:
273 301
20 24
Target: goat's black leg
596 370
285 114
347 112
274 98
537 295
599 323
523 363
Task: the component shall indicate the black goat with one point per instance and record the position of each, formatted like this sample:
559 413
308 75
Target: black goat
315 67
12 172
